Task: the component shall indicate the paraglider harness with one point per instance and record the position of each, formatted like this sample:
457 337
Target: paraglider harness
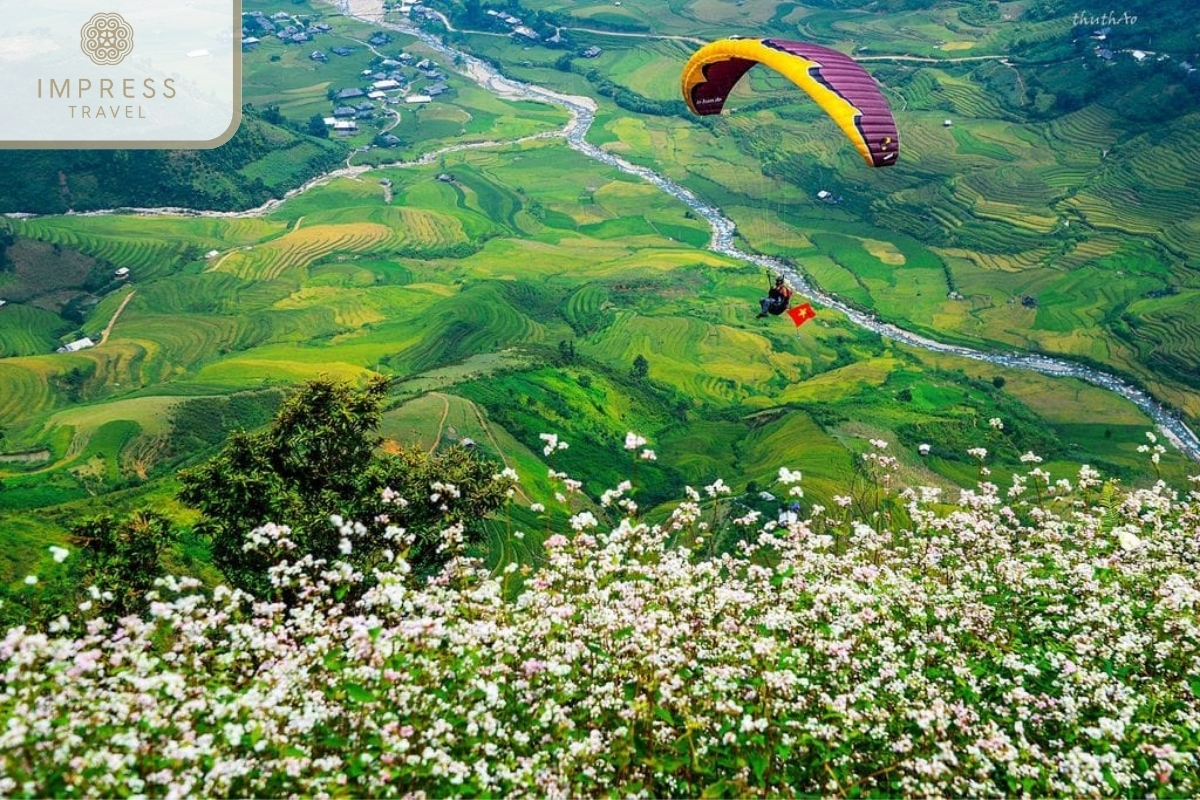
779 297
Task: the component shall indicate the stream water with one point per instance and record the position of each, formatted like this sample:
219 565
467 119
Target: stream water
582 110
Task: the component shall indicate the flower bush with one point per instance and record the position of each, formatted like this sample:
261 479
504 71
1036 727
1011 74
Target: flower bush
1015 642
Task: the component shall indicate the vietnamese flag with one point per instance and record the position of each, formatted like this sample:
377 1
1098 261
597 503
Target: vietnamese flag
801 314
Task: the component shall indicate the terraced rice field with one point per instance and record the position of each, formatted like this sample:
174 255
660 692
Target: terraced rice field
465 286
27 330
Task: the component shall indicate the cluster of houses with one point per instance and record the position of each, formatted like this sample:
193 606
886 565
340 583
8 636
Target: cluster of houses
1103 52
281 25
389 83
518 27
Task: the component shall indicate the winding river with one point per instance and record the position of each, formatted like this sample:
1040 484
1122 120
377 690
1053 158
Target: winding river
582 112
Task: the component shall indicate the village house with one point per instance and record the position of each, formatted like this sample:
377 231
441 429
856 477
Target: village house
344 111
346 94
78 344
341 51
257 21
317 55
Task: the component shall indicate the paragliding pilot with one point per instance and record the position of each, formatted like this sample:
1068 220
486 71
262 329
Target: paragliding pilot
777 299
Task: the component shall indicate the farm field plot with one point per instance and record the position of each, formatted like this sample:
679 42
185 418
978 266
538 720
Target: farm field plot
1031 212
521 288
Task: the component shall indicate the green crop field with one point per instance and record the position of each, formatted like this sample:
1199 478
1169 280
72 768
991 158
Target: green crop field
1007 202
512 288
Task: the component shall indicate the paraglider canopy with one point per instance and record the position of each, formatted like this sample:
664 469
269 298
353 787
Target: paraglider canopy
843 89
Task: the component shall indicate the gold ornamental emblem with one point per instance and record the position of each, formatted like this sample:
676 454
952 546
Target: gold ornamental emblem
106 38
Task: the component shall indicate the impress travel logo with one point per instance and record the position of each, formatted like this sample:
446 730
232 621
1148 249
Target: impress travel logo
129 74
106 38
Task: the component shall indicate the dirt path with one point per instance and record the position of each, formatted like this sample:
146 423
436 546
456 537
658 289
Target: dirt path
441 422
113 320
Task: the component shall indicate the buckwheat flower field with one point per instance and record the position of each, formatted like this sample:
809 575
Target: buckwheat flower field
1040 639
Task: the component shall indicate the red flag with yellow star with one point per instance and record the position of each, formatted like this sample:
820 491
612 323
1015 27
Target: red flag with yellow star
801 314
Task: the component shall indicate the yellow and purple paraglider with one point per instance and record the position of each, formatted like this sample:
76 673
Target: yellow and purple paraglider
846 92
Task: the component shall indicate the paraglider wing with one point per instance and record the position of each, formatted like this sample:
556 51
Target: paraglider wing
843 89
801 314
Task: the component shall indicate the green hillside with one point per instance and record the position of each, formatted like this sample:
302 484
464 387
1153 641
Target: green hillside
1054 213
525 310
261 161
520 288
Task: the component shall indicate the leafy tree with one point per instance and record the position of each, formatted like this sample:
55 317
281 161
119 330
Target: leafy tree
319 458
122 558
273 115
641 367
316 127
107 570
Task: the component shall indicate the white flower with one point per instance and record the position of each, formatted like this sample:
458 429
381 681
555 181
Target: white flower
30 580
552 443
717 487
582 520
633 441
537 508
879 444
788 476
345 547
1128 539
978 452
996 423
1030 458
648 455
60 553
